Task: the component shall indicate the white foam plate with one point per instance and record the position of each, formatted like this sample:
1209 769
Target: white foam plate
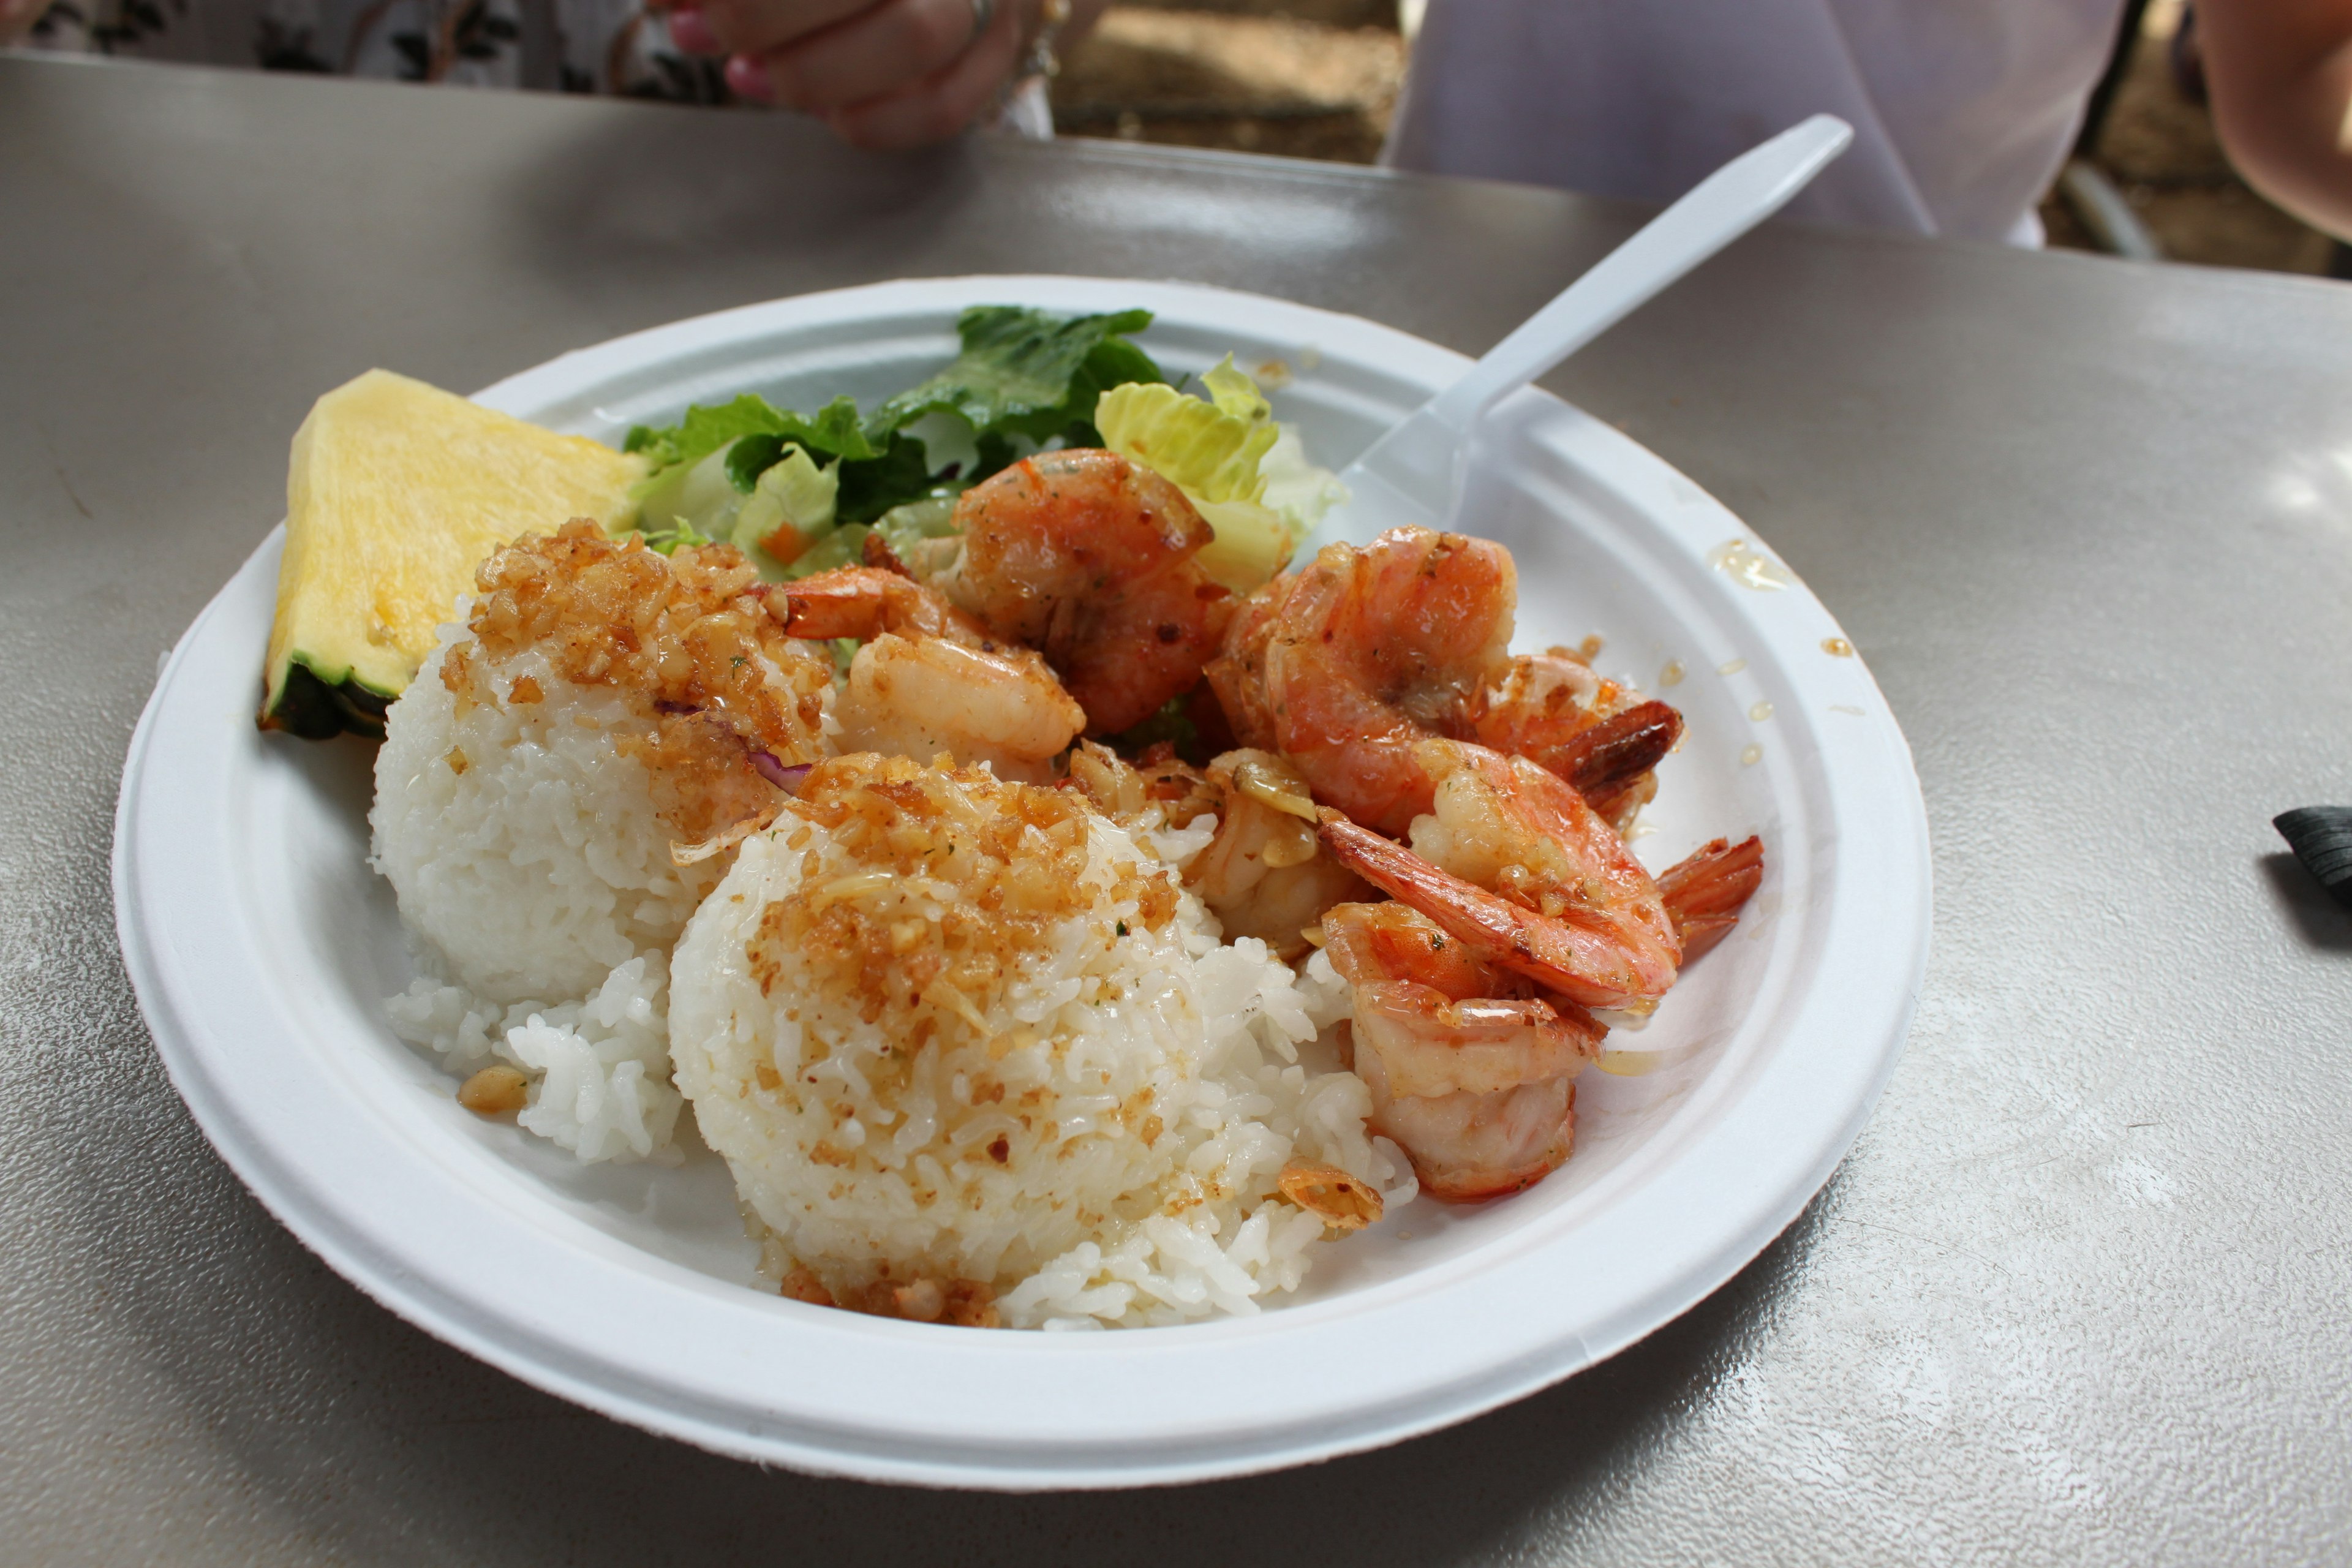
261 947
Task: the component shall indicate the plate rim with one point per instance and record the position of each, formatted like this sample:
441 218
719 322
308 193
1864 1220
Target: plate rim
877 1454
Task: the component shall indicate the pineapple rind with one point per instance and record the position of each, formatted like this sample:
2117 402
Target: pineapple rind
395 492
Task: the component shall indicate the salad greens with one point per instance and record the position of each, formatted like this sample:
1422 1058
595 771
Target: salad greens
1024 373
1247 476
800 493
1024 378
1211 448
835 431
791 492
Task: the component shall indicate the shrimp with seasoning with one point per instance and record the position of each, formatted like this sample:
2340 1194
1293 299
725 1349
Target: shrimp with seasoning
1091 560
1471 1066
1471 1071
1555 711
1265 874
1347 664
1523 872
930 679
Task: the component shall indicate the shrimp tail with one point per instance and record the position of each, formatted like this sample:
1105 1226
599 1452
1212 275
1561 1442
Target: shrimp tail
1704 892
1619 749
1581 964
864 601
875 552
848 602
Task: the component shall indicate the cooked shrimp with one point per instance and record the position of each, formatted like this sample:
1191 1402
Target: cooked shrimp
1124 791
929 679
1471 1073
1347 666
1557 711
1265 874
864 601
1466 1147
1516 865
1703 892
1089 559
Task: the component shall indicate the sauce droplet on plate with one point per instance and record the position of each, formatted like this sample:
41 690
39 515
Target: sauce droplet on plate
1747 566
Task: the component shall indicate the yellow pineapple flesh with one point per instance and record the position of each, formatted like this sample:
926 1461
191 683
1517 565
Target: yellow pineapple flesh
396 491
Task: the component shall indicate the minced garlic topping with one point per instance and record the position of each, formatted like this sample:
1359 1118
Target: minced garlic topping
963 875
690 637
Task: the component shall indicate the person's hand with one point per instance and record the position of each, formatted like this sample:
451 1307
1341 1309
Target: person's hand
2280 72
16 19
881 73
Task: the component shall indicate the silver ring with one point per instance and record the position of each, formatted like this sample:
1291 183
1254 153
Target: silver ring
983 11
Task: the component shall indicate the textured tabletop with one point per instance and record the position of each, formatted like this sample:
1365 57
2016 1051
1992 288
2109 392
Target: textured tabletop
2079 1293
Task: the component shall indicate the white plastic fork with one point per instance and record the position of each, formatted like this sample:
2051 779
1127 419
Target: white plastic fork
1414 474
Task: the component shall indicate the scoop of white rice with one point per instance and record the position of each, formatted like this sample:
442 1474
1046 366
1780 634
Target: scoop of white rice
539 876
598 703
602 1064
522 838
961 1039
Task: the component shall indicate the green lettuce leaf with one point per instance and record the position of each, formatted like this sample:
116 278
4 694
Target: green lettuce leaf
907 528
898 473
792 494
698 495
835 431
1248 476
1026 373
845 546
665 541
1211 447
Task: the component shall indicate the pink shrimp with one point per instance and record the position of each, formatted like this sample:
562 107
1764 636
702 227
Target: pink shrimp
1266 874
1555 711
1471 1073
930 679
1090 559
1514 863
1703 892
864 602
1347 664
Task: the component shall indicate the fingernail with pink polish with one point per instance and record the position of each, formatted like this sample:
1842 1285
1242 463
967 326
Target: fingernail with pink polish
748 77
690 32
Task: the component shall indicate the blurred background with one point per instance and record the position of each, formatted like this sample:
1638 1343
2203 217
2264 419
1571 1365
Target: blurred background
1317 78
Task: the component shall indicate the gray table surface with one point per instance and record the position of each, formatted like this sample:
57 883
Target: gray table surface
2078 1295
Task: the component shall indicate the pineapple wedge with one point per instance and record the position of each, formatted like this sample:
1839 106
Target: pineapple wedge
396 491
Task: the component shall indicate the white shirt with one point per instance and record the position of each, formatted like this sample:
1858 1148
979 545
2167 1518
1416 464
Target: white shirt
1963 109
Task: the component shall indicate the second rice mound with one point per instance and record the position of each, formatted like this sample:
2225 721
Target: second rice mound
974 1055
